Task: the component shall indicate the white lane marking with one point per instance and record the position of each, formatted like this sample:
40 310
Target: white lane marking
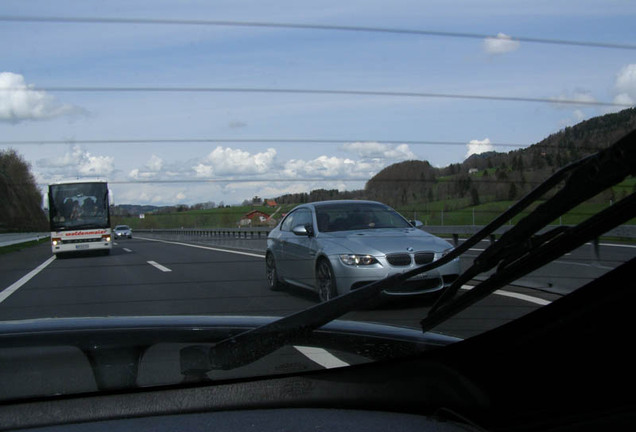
159 266
518 296
582 264
322 357
206 247
127 250
524 297
24 279
616 245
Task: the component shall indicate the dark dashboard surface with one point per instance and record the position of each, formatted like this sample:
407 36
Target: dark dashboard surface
301 420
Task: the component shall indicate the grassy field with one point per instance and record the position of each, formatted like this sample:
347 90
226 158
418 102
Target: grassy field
20 246
430 214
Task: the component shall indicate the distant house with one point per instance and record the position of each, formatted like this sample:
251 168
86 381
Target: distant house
270 203
254 218
473 171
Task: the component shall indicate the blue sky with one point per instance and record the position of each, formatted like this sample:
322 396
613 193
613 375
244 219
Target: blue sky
196 146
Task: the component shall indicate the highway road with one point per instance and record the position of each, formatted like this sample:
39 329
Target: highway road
146 276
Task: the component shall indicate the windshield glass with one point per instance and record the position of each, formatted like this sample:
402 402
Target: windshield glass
345 217
267 159
78 205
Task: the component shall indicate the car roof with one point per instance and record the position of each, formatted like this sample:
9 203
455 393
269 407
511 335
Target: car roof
332 202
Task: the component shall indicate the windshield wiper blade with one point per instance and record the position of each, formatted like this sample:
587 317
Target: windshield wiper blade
523 249
533 258
585 178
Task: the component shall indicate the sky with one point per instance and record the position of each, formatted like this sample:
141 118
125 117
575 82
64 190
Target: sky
185 102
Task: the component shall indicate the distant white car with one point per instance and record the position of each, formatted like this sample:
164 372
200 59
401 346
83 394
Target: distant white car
334 247
122 231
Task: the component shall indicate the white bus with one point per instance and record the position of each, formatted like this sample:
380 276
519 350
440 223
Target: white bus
79 216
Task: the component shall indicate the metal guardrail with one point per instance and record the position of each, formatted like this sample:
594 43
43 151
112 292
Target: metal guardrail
244 233
456 231
622 231
260 233
9 239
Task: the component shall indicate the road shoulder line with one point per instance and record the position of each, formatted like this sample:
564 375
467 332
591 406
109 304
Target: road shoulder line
24 279
205 247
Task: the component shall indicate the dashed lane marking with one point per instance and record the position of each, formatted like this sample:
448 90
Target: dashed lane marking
322 357
518 296
159 266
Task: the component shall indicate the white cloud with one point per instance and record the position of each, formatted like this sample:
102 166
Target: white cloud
378 150
202 170
625 85
579 115
149 194
155 163
501 44
577 111
228 161
624 99
20 102
478 146
151 169
582 96
78 162
322 166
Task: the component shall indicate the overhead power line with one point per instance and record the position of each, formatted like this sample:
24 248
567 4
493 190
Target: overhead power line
306 26
168 89
285 141
268 180
248 141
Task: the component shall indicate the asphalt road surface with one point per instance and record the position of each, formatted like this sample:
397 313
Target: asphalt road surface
144 276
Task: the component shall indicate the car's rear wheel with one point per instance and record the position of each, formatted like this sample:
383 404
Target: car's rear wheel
325 281
272 274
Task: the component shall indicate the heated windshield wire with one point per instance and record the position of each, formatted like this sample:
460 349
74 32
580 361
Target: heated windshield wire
520 250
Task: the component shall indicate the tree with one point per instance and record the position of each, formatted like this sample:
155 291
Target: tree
474 197
512 192
20 198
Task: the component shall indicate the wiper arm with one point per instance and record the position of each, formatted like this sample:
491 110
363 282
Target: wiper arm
521 249
254 344
533 258
585 178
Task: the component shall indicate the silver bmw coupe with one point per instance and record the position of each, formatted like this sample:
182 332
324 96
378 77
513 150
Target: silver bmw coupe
334 247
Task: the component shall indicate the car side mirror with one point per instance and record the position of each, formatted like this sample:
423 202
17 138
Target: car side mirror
417 223
304 230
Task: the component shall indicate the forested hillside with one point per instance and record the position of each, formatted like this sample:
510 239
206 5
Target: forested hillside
487 177
20 199
497 176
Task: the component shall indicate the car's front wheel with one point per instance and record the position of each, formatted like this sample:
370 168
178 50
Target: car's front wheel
271 273
325 281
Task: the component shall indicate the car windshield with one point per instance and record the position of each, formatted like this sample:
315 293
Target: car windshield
176 174
345 217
